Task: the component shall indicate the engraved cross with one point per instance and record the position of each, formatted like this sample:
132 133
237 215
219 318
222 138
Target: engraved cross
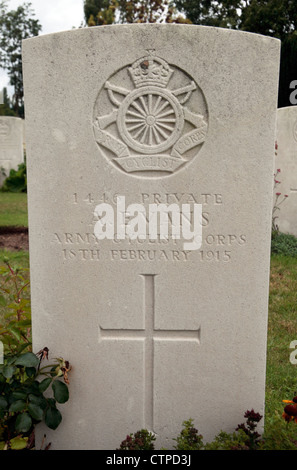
149 334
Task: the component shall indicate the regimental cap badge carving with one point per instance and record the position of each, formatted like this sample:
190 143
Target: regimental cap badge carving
148 130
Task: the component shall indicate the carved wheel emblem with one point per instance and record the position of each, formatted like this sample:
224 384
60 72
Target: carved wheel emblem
148 131
150 120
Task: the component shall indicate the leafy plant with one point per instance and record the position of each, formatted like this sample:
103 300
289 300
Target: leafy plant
141 440
15 328
229 441
283 244
29 393
245 437
23 402
16 182
249 428
189 439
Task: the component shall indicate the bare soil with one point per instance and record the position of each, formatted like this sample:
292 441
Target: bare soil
14 238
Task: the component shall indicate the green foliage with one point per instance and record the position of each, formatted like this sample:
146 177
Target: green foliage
228 441
141 440
92 7
144 11
102 12
16 25
6 107
29 393
224 14
245 437
283 244
23 403
189 439
99 12
15 327
16 182
279 435
276 18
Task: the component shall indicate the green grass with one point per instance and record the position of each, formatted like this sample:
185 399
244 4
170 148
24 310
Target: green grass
13 209
282 329
15 258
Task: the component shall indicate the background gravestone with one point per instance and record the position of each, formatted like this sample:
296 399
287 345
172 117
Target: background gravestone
156 334
11 144
286 162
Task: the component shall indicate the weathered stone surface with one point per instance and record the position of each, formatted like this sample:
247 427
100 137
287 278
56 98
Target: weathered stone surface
11 145
156 333
285 192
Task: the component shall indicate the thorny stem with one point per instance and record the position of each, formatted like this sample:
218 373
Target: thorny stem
18 291
22 289
13 277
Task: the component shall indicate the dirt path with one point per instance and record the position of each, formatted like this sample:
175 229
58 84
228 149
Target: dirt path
14 238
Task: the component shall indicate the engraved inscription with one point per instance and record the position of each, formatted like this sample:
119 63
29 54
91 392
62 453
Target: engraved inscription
147 129
216 246
85 248
150 255
152 198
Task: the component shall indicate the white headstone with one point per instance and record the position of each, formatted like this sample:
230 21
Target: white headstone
157 330
285 193
11 145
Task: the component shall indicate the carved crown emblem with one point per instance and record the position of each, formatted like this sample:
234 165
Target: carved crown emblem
150 71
